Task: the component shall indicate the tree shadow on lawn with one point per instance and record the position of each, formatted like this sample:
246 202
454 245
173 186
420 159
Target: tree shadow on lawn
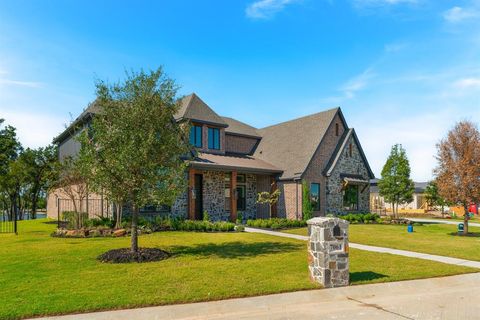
469 235
365 276
235 250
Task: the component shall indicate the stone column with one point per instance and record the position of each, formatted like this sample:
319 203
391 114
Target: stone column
328 251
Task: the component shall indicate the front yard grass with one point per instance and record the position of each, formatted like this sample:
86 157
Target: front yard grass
41 275
439 239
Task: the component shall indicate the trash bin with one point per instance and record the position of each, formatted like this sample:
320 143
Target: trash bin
410 228
461 227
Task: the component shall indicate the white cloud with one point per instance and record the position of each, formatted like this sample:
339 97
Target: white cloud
29 84
34 129
357 83
381 3
395 47
266 9
458 14
467 83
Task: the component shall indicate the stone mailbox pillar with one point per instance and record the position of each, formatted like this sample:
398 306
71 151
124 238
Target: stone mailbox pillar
328 251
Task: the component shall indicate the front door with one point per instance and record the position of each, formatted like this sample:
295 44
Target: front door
241 198
198 197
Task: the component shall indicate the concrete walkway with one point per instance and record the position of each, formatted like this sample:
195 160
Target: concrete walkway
443 259
442 221
437 298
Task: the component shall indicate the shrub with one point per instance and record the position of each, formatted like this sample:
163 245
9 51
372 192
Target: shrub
367 218
75 220
206 216
276 223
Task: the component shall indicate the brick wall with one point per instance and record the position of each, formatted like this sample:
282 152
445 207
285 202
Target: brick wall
290 201
314 172
237 144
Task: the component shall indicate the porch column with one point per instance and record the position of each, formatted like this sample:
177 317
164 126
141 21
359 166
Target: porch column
273 184
191 187
233 196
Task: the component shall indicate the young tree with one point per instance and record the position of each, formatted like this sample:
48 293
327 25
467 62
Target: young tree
433 198
270 198
395 185
72 183
458 169
307 209
134 147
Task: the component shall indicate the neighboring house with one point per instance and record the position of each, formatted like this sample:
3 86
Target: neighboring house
418 204
235 161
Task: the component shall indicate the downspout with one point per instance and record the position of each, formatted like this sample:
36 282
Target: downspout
296 197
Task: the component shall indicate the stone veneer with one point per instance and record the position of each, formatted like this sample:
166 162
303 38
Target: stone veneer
251 194
180 206
353 165
328 252
214 195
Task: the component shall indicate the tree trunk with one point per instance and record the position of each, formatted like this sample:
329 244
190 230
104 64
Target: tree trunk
134 246
33 214
465 220
118 215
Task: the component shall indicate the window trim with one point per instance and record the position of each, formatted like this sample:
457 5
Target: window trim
197 141
212 132
317 207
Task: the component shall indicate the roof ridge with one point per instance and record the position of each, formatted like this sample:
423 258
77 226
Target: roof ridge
300 118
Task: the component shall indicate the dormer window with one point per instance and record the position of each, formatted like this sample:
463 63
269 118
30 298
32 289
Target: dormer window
214 138
196 136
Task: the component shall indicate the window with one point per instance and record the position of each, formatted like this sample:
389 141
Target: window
350 198
315 196
214 138
196 136
350 150
337 129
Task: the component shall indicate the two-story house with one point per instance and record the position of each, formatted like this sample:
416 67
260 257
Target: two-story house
235 161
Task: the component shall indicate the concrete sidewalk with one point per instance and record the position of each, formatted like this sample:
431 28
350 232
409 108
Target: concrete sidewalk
438 298
443 221
443 259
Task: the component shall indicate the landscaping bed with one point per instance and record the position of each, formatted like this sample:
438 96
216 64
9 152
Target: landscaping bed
97 227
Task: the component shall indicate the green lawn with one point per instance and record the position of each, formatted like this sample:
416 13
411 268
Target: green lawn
429 238
41 275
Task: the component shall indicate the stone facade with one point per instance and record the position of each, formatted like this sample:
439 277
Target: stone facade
348 165
328 261
180 206
251 194
214 195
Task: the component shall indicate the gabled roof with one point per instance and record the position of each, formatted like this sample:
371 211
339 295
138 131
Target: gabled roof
339 150
242 163
193 108
291 145
236 127
92 109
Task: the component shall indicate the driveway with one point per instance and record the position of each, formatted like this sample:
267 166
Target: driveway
439 298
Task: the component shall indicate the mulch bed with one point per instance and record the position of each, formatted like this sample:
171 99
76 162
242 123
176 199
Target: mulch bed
125 255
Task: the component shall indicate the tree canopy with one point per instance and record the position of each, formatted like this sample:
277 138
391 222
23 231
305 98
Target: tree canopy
133 149
395 184
458 170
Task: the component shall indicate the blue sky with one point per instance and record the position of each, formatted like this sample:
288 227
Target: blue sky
403 71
